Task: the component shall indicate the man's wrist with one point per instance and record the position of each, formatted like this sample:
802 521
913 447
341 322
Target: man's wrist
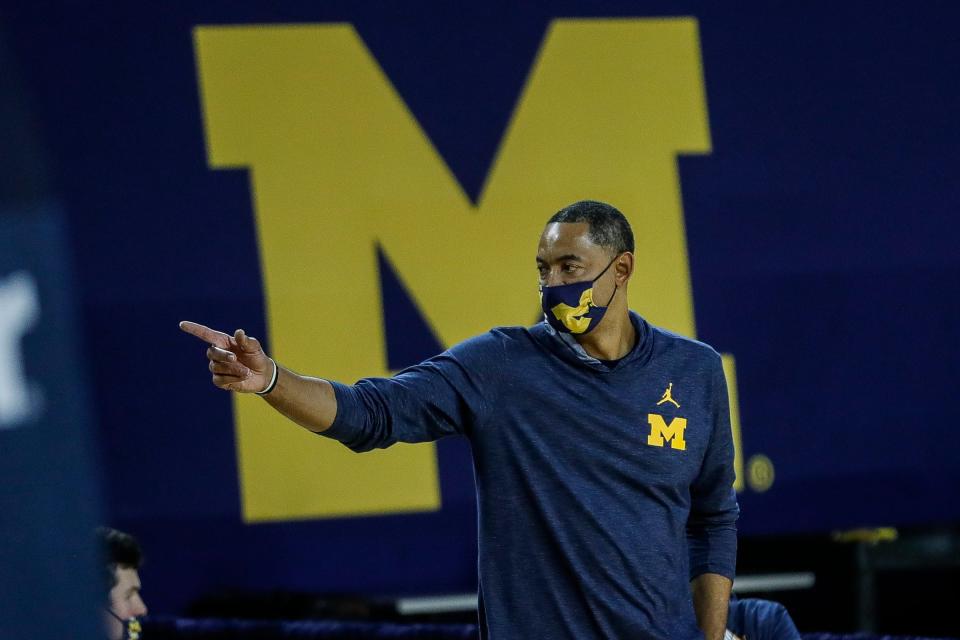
273 380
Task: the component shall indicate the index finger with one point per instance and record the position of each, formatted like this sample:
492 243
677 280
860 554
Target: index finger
206 334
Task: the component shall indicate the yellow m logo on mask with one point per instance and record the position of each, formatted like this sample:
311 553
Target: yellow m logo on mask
660 432
571 316
338 164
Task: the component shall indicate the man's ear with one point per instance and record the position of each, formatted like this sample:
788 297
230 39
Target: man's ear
623 267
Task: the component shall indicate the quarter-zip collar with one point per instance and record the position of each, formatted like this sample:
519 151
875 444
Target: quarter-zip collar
566 346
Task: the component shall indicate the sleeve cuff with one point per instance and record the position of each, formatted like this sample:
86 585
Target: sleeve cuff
714 551
346 426
721 569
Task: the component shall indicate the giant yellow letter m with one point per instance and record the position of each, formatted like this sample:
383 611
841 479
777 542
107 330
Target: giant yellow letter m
338 165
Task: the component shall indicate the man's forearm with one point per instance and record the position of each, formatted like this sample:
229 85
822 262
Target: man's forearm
711 599
310 402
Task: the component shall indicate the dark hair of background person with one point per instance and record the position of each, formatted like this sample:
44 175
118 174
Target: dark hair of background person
608 227
119 549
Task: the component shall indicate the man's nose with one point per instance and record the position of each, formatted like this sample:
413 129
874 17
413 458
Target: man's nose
552 279
139 608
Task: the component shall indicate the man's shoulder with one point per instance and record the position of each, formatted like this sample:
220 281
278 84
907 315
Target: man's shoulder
496 341
670 342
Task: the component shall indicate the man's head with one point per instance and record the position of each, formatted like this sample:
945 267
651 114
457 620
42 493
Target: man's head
122 557
608 228
583 242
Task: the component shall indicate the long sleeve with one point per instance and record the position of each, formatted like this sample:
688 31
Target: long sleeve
711 527
445 395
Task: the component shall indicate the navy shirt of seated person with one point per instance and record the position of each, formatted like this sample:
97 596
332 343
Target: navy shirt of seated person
755 619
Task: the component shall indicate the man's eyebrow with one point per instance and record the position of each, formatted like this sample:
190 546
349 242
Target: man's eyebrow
569 256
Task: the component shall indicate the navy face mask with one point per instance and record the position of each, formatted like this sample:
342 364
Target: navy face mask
131 626
569 308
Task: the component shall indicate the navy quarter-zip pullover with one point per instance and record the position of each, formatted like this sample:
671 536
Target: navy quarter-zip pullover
602 490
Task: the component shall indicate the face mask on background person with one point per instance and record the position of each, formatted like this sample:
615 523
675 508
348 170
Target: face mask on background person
131 626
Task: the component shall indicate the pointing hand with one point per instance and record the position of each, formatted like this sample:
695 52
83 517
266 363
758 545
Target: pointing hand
237 362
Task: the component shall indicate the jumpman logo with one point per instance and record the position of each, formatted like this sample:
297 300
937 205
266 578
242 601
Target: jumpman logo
668 397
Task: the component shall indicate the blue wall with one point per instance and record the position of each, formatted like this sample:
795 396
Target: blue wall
822 238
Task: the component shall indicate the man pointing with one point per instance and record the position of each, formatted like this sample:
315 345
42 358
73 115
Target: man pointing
605 512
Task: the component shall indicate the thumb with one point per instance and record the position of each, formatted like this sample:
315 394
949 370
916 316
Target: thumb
246 343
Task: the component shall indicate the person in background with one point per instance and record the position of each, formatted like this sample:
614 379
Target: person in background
755 619
125 605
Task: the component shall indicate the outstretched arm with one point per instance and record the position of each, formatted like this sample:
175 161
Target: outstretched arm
239 364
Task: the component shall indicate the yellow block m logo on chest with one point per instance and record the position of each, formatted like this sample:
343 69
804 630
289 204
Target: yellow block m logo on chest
660 432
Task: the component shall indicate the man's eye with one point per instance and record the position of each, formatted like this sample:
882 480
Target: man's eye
569 268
